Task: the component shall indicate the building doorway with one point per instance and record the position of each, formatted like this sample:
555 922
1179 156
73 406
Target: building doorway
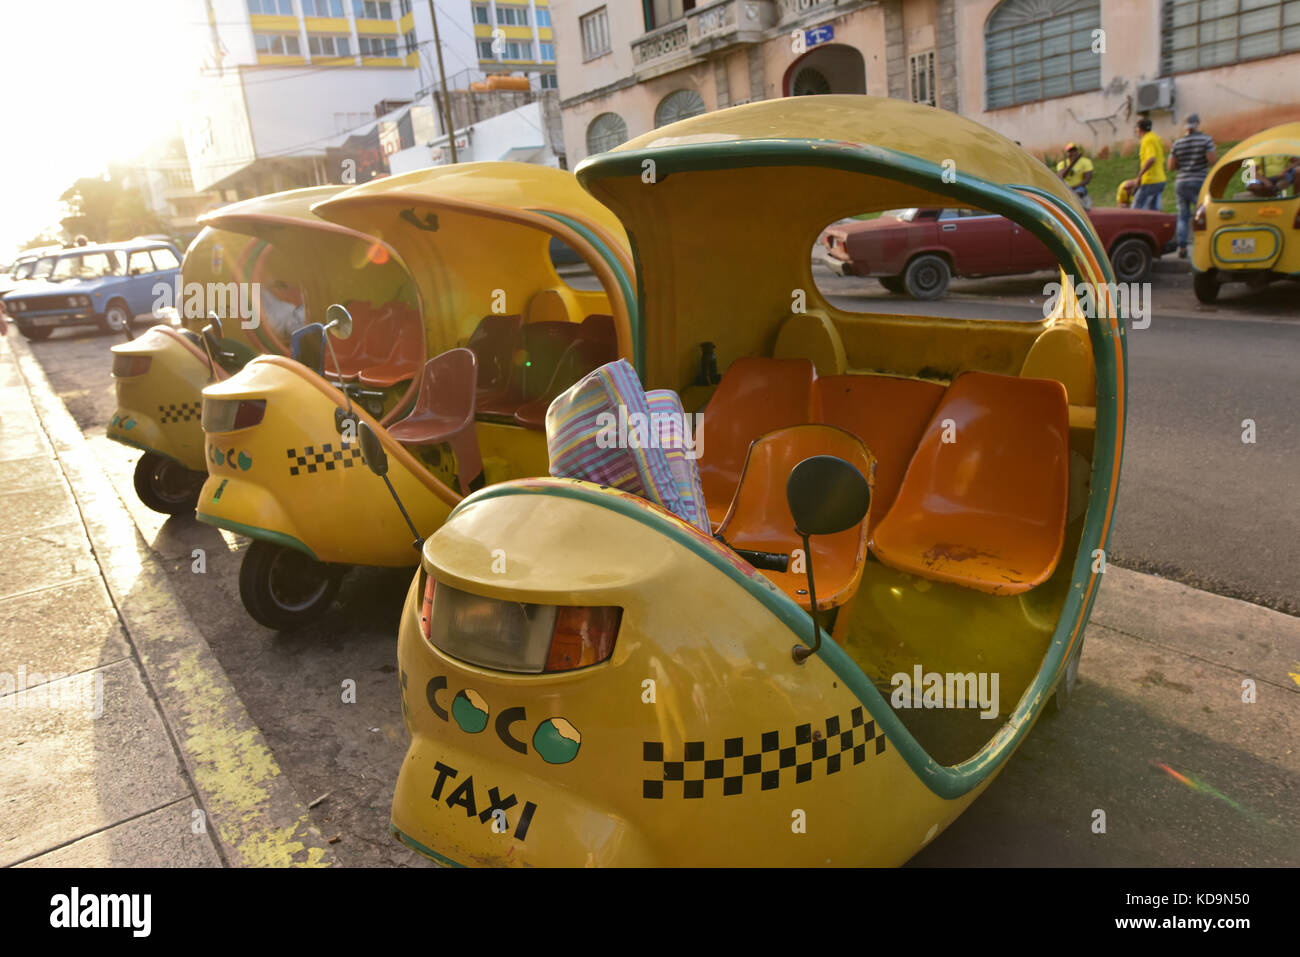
831 68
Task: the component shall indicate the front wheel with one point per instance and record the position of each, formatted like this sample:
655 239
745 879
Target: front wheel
116 317
1131 259
284 589
1206 287
36 333
927 277
167 486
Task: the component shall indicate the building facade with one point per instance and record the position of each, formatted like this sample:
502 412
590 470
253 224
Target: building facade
304 92
1041 72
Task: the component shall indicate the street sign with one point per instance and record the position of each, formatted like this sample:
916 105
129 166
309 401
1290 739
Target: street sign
822 34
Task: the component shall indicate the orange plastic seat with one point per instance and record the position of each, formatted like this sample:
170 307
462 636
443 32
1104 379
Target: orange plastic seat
987 509
405 358
544 343
444 412
887 414
597 344
759 517
755 396
494 343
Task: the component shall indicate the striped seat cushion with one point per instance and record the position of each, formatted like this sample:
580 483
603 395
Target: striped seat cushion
602 430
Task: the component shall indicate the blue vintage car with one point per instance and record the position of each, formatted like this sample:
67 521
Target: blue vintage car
107 285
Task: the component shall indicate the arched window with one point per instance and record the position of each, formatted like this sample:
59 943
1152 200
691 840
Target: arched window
809 81
605 132
1036 49
678 105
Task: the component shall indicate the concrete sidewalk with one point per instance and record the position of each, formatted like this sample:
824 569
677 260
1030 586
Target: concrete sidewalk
122 742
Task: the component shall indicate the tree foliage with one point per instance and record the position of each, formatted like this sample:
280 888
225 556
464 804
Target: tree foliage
104 211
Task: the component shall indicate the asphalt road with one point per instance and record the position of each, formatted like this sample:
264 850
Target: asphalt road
1194 505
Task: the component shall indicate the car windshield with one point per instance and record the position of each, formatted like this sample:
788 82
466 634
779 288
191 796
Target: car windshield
23 269
43 267
906 215
88 265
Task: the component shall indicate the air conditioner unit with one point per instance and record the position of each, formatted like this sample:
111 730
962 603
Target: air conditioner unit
1155 95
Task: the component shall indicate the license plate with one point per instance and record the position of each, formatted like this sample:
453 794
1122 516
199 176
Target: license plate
1244 246
46 321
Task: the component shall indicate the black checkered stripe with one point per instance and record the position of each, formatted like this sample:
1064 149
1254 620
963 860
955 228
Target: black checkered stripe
325 459
832 750
180 411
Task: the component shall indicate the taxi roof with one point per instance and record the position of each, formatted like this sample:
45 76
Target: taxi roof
263 214
869 125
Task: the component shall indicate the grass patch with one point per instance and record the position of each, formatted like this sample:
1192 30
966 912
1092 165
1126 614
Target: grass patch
1109 172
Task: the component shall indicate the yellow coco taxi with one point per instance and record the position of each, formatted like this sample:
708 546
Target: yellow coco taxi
159 377
1247 225
251 258
498 334
616 665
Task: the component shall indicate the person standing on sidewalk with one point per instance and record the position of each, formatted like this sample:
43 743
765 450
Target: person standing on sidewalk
1151 174
1192 155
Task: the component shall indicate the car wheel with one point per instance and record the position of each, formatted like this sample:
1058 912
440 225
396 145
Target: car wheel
166 486
36 333
893 283
284 589
1206 286
116 317
927 277
1131 259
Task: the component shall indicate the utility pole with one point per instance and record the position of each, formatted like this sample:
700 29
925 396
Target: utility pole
442 76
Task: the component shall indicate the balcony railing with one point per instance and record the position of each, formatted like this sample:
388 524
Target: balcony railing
727 22
790 10
661 45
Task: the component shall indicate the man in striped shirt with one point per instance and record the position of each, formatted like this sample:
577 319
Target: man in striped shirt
1192 155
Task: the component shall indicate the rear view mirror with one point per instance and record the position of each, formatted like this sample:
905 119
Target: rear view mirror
338 321
826 495
372 450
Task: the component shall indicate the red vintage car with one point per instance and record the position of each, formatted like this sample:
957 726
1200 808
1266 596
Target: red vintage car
918 251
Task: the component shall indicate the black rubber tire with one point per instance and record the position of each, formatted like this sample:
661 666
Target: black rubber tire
1131 259
893 284
117 317
285 589
927 277
1206 286
36 333
166 486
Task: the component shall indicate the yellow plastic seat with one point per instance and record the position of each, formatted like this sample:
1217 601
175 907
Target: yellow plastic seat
759 517
888 414
756 396
987 509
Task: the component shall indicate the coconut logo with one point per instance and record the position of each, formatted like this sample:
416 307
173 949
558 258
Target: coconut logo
556 740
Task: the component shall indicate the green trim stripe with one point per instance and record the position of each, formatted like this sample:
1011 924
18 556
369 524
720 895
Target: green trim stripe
415 845
252 531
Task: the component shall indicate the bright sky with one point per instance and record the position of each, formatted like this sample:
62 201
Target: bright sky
85 81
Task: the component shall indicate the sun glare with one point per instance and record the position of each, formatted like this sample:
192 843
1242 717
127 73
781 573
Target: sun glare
101 82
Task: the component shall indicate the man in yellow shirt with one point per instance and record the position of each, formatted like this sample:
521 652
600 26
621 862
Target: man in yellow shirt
1076 170
1151 174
